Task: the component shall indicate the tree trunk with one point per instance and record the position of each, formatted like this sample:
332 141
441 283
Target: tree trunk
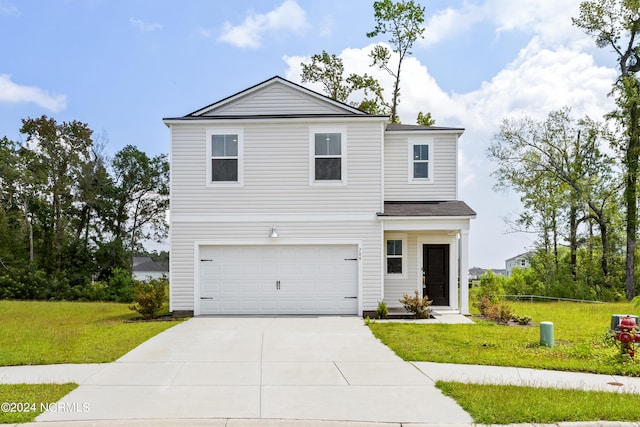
396 95
30 226
631 196
573 238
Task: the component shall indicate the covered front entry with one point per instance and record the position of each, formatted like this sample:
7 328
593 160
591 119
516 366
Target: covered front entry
427 247
278 279
435 273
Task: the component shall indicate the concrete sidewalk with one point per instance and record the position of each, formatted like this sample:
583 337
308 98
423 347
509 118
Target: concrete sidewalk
528 377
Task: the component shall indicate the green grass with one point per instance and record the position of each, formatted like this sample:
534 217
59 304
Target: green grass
21 403
580 331
497 404
42 332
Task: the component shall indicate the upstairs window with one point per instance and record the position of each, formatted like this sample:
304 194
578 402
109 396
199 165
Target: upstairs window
420 161
327 157
225 157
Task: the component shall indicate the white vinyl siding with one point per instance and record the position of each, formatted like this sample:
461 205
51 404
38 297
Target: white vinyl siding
398 168
276 99
185 236
275 192
276 173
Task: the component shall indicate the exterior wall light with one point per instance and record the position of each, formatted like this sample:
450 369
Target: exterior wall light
274 233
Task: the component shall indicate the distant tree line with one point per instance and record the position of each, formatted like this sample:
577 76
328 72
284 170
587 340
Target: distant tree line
578 178
70 217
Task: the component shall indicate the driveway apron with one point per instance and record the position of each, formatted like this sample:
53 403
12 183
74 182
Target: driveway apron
303 367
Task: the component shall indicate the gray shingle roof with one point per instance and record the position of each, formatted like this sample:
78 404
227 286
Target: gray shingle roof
393 127
450 208
148 266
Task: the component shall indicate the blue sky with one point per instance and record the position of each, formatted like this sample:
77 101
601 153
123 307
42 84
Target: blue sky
123 65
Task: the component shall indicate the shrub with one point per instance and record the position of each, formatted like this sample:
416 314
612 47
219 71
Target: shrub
25 284
120 287
416 305
500 312
92 291
149 297
382 311
522 320
488 302
523 281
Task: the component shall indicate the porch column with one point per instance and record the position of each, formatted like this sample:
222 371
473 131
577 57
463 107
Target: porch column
464 271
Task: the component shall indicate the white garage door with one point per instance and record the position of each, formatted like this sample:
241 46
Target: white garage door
279 279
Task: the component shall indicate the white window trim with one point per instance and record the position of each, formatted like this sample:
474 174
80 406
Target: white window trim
343 155
226 131
405 255
421 141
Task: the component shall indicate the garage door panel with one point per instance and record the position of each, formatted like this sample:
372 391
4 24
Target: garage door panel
312 279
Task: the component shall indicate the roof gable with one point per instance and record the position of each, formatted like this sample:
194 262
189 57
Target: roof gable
276 97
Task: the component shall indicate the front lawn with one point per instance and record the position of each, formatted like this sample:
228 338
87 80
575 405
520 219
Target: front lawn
22 403
580 331
505 404
43 332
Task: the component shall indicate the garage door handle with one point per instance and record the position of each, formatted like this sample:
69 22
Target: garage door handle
278 284
206 297
350 297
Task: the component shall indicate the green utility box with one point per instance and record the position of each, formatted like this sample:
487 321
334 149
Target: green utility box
546 334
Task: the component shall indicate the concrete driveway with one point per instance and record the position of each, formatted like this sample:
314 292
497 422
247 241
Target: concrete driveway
304 368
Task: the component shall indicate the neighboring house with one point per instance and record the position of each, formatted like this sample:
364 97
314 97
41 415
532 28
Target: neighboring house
520 261
284 201
145 268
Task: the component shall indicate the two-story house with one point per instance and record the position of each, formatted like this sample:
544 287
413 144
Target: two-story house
284 201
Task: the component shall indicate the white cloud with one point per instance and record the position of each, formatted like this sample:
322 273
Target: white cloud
550 20
289 16
15 93
145 27
450 22
7 9
538 81
325 26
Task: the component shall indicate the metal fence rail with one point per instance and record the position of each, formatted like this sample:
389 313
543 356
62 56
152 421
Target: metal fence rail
532 297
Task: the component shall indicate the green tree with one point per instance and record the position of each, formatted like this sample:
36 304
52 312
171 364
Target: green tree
425 119
328 70
59 151
12 219
141 197
402 21
615 24
558 163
